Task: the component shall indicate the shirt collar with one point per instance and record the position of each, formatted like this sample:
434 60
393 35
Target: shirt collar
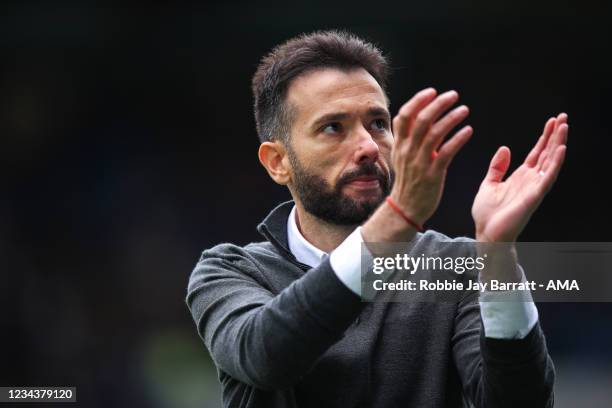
303 250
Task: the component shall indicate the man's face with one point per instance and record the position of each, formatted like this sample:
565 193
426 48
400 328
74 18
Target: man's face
340 144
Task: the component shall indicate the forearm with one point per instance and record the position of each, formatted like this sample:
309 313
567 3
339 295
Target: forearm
270 342
517 373
501 372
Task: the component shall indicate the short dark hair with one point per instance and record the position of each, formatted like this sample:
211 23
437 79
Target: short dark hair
321 49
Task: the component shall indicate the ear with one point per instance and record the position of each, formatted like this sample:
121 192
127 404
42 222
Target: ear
273 156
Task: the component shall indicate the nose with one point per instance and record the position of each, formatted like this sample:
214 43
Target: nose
367 148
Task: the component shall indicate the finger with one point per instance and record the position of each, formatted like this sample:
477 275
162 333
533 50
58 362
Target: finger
441 128
550 176
558 138
532 157
405 116
561 140
562 118
449 149
499 165
430 114
552 143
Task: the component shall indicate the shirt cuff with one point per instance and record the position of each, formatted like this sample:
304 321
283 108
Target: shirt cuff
512 318
346 260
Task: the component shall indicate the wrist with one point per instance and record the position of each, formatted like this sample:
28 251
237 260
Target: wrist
407 217
501 261
386 226
487 237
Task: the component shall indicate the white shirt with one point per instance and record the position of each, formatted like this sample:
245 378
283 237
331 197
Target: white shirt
501 320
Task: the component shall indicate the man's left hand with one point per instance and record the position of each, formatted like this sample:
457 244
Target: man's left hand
501 209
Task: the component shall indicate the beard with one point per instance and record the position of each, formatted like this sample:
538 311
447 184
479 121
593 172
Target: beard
329 203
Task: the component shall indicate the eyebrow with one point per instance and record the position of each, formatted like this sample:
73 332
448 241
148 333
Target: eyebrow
338 116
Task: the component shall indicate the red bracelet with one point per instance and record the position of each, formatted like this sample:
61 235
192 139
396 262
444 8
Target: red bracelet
401 214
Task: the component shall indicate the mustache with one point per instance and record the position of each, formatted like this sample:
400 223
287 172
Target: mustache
368 169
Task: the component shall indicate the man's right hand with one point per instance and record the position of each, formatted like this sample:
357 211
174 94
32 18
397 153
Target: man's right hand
420 162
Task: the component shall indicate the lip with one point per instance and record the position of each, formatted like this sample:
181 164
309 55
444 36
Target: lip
365 182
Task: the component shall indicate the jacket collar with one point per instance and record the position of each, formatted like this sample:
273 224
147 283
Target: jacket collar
274 229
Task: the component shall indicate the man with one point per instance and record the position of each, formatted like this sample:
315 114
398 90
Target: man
283 319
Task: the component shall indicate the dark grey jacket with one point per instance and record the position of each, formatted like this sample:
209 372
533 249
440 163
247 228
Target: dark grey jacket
286 335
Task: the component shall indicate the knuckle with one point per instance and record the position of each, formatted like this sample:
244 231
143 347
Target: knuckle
410 155
404 150
434 134
396 123
422 118
399 119
442 161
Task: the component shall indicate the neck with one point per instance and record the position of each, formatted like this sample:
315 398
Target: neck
319 233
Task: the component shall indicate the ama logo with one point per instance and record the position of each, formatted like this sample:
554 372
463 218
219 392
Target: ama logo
562 285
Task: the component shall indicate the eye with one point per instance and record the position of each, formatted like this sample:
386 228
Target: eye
380 125
332 128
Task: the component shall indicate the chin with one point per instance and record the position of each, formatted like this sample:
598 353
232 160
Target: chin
366 199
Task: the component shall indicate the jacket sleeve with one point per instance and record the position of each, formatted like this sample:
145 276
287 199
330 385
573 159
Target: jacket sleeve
501 373
265 340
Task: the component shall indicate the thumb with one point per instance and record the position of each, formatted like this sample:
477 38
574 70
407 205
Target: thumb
499 165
